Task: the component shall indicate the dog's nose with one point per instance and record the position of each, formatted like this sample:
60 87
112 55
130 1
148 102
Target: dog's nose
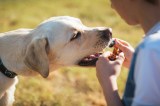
106 33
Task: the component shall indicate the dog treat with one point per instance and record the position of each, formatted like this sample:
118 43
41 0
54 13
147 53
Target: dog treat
115 52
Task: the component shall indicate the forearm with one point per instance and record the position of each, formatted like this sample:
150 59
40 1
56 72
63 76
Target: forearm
110 91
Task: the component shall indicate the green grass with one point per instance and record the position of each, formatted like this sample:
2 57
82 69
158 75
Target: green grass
69 86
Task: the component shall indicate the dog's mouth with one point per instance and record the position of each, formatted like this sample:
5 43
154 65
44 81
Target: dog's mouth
89 60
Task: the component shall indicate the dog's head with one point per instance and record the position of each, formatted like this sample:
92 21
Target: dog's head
65 41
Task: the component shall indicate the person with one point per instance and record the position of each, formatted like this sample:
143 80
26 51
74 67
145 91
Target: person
143 83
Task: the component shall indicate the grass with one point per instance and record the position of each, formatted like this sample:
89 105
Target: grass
69 86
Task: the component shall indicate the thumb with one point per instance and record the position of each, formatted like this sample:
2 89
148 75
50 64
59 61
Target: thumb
106 54
120 59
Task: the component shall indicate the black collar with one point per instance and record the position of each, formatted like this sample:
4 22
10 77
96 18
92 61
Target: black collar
6 72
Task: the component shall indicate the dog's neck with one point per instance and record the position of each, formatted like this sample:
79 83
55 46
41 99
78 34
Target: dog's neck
12 51
6 72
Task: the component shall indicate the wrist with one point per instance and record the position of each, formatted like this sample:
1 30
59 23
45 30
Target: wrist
110 84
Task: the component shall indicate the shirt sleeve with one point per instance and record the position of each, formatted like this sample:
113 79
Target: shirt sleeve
147 77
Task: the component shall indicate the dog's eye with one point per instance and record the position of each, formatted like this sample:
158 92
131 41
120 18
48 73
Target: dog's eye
75 36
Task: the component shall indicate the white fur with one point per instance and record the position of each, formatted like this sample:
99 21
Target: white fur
25 51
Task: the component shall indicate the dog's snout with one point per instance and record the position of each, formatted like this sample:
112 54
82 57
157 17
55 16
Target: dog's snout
106 34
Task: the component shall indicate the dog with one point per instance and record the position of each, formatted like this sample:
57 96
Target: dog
56 42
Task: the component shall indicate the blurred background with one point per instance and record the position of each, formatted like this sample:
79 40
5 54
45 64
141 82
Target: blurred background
69 86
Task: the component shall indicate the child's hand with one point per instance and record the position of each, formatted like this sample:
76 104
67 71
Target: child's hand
108 69
127 49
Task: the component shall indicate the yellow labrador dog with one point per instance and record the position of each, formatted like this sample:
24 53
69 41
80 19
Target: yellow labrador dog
56 42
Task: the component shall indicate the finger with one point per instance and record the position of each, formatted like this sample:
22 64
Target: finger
121 56
106 54
122 41
101 60
120 59
120 45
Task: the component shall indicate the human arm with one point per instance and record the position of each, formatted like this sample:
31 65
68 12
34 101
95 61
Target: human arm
107 73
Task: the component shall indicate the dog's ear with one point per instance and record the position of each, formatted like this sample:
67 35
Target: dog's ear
36 56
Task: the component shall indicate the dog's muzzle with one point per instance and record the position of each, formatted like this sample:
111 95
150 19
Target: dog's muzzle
90 60
106 34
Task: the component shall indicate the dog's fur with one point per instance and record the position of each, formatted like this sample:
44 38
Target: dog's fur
49 46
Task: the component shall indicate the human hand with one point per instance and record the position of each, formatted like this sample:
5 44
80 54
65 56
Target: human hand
107 73
127 49
107 69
